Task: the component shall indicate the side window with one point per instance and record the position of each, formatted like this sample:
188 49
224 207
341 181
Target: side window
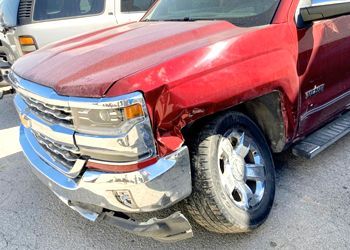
135 5
55 9
85 6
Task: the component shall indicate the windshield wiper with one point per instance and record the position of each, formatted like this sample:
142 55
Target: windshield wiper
184 19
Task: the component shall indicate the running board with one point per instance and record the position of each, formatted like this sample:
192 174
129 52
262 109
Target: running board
323 138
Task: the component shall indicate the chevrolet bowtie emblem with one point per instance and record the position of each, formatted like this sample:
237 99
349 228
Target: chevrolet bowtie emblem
25 121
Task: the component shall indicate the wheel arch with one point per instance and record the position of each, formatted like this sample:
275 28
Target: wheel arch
266 111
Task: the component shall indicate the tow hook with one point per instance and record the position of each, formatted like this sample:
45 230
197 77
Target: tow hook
174 228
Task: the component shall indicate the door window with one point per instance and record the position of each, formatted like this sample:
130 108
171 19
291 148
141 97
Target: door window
135 5
54 9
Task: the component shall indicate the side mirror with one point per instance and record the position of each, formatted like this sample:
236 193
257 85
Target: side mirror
324 10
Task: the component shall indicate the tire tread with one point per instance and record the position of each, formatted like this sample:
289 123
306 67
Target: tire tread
202 205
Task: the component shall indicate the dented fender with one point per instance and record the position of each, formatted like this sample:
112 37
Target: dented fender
215 78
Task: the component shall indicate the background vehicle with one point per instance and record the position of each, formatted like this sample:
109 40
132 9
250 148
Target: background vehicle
28 25
190 108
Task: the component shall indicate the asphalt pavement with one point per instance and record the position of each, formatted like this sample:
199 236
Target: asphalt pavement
311 209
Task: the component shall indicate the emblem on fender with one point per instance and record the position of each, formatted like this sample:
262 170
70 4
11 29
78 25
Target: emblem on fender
316 90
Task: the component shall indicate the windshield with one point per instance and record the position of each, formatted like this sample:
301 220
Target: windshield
244 13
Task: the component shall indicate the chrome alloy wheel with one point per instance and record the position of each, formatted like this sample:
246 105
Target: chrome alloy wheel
242 170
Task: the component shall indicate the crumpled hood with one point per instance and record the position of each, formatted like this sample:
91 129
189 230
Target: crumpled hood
88 65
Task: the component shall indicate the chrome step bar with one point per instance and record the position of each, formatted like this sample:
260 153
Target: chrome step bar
323 138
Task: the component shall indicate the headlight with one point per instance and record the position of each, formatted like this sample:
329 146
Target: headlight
107 121
113 129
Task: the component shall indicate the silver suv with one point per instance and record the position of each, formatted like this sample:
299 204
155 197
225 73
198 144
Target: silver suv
28 25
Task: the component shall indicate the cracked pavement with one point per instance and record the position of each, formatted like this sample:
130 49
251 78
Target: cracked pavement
310 211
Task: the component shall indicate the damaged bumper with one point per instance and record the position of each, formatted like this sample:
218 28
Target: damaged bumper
171 229
156 187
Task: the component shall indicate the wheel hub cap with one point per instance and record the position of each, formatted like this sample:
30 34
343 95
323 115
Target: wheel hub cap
242 170
238 167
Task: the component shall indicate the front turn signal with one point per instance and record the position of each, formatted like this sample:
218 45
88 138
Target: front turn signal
133 111
28 44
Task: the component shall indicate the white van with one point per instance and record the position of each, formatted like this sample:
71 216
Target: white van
31 24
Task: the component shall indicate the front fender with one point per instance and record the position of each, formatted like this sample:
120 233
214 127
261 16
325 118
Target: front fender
216 78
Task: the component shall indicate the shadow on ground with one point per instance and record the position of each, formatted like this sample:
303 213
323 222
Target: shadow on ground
8 113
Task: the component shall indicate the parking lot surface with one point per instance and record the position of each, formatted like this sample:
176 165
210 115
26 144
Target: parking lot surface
311 209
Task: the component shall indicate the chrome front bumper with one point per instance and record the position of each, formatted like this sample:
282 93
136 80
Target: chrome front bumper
153 188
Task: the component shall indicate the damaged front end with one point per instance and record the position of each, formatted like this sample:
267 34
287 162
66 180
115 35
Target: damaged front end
86 171
174 227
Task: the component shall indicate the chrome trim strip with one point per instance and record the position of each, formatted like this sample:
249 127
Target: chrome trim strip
109 163
323 106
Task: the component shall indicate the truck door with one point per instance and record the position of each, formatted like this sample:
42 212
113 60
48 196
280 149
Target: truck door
131 10
323 66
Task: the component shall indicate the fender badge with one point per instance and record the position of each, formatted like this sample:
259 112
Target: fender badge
25 121
315 91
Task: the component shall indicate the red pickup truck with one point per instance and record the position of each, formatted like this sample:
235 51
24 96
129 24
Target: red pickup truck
186 105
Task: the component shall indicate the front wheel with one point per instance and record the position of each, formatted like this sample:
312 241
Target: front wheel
233 175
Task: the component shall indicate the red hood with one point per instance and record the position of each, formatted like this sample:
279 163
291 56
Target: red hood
88 65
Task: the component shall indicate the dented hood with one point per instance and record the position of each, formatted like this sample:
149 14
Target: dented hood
88 65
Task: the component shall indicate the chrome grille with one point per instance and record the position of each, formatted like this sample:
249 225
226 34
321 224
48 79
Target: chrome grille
66 155
51 113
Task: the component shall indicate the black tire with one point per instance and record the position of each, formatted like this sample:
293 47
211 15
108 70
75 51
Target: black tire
209 205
